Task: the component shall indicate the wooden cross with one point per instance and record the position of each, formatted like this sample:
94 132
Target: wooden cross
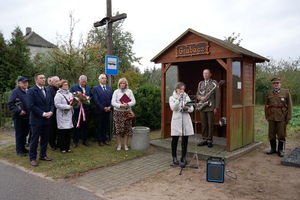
109 20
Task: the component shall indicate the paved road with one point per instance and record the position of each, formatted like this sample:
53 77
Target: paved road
16 184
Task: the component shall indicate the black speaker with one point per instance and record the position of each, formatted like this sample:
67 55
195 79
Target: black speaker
215 169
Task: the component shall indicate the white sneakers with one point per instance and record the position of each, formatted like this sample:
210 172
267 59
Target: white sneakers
120 147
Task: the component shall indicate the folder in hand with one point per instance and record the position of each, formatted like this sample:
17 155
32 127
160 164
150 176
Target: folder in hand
125 99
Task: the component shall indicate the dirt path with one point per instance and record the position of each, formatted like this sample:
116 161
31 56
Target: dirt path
259 176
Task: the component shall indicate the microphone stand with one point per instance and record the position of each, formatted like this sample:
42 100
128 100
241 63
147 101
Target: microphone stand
181 164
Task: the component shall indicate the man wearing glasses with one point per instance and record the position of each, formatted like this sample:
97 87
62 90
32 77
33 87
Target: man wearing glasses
278 112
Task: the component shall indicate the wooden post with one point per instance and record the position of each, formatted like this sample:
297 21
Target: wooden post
163 100
228 102
109 20
109 34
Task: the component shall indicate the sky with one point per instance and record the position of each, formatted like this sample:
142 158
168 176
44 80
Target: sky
270 28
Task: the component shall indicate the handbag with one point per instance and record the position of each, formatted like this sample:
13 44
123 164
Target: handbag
130 115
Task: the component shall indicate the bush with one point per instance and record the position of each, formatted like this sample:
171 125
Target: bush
148 106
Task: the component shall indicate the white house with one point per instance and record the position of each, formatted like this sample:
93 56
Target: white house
36 43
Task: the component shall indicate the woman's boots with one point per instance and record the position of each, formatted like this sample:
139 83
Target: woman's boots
174 149
184 144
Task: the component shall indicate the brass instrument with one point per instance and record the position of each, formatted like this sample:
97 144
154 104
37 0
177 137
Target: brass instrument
202 104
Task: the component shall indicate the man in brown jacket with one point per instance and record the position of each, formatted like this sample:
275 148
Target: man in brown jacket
278 112
208 93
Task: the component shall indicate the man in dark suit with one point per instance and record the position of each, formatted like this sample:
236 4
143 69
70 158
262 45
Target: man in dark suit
102 95
82 130
41 108
18 106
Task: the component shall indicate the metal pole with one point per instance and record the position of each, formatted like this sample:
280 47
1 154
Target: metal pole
109 34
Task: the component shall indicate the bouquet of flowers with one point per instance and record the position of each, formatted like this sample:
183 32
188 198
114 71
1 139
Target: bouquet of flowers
78 99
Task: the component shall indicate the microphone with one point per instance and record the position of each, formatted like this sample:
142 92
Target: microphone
181 95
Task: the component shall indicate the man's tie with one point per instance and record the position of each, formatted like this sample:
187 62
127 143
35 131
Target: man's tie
104 88
43 91
83 89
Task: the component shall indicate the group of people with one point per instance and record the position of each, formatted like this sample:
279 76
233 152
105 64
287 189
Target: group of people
47 114
278 112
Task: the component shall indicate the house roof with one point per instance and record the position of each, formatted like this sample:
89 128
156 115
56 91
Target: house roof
33 39
232 47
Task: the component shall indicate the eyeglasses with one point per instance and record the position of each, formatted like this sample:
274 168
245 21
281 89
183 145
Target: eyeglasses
275 83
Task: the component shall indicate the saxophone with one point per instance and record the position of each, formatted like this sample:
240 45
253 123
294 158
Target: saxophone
202 104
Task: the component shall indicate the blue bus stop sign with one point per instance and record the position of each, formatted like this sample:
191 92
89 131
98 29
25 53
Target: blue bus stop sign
111 65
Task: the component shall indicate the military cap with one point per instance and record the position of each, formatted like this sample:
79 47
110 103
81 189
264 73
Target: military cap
275 80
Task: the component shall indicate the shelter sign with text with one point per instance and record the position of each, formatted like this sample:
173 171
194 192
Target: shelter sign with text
199 48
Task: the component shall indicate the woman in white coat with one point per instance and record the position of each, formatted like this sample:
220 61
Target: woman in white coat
181 124
64 114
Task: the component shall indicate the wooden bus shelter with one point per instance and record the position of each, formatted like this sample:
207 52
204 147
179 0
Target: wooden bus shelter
185 59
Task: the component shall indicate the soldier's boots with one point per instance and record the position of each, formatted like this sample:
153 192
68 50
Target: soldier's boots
273 147
280 149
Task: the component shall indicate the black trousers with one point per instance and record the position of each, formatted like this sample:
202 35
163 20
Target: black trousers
64 139
102 126
22 130
39 131
184 145
53 139
82 131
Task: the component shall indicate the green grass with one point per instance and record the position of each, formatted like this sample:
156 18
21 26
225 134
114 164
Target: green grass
73 164
261 124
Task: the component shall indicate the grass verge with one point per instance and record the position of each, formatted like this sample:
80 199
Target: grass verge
82 159
261 124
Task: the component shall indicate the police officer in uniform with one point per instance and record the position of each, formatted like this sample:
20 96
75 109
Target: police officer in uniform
278 112
208 91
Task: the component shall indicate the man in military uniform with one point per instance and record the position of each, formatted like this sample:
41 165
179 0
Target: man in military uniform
208 94
278 112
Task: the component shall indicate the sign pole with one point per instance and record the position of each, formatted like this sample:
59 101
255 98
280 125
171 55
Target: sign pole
108 21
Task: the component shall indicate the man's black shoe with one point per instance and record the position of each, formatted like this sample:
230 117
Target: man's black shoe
209 144
202 143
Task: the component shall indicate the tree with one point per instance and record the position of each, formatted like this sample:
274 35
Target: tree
234 39
133 76
69 61
18 58
4 65
152 76
287 70
148 106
